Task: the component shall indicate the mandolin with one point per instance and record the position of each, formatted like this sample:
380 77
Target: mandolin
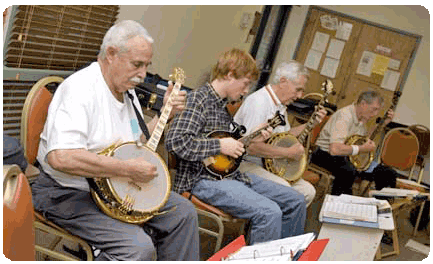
221 165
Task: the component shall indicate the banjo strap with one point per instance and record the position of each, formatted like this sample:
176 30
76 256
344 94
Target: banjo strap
140 119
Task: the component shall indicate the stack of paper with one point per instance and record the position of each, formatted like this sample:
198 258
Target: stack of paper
350 210
395 192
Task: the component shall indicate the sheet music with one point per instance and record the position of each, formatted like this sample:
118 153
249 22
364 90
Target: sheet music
281 249
350 211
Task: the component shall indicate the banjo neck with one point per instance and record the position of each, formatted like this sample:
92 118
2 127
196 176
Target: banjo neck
154 139
328 88
381 123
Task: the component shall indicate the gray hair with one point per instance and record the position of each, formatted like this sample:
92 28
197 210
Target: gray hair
369 97
291 70
119 34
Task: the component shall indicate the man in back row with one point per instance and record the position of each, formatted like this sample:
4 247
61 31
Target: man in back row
332 153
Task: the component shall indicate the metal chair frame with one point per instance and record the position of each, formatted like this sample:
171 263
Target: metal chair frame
30 142
398 205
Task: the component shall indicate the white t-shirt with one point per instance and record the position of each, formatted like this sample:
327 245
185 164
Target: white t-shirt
257 109
85 114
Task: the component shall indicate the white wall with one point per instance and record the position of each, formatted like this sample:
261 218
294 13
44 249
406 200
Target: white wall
191 37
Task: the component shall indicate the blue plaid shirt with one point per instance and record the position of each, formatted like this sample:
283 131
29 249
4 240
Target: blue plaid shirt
204 112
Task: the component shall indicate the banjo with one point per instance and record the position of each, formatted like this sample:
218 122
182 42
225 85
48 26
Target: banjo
136 202
291 169
363 161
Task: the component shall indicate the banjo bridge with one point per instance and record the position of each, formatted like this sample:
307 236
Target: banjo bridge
136 186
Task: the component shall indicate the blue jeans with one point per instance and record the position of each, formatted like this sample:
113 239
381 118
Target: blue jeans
275 211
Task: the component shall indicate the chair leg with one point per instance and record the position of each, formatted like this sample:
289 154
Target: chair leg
379 253
395 241
218 235
50 252
418 220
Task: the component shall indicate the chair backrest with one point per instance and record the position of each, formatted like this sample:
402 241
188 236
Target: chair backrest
423 134
399 149
18 216
316 130
34 114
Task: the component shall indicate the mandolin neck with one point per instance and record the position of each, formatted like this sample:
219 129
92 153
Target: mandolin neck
247 139
154 139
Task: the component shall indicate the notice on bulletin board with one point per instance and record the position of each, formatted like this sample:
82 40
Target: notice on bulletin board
313 59
330 67
335 49
320 41
380 64
366 63
390 80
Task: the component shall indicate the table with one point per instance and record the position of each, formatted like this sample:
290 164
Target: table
347 242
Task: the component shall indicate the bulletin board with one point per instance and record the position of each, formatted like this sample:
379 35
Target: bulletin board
355 54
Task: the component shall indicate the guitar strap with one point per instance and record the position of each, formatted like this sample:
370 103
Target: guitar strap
140 119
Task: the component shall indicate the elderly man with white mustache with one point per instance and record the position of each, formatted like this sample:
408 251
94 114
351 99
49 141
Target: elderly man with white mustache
90 111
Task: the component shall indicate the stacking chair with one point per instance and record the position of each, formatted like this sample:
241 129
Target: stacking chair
49 236
314 170
423 134
399 151
209 211
18 216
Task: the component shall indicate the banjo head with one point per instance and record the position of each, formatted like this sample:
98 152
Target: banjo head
289 169
146 197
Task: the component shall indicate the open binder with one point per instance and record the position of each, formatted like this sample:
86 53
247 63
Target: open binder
300 247
350 210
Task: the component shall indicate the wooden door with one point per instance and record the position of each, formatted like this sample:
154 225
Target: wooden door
372 56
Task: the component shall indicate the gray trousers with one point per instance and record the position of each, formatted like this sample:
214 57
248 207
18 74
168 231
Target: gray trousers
172 236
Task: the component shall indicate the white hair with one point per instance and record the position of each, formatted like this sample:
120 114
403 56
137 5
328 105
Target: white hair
119 34
291 70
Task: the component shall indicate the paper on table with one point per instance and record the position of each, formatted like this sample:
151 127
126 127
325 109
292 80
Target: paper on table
274 249
350 211
357 200
396 191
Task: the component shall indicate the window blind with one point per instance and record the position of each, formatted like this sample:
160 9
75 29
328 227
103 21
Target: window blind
57 37
43 40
